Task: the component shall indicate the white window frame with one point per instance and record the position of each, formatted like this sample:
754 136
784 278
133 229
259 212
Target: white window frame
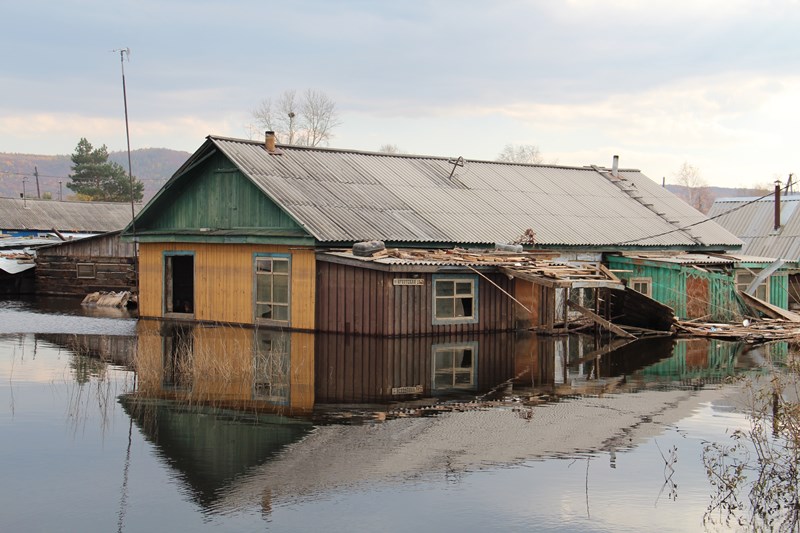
762 287
456 297
648 282
457 373
269 305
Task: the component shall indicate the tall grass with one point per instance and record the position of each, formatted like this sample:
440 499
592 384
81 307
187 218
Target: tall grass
756 473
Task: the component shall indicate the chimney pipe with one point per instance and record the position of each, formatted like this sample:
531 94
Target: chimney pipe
269 141
777 205
615 166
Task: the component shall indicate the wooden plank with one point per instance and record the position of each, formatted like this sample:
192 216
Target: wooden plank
600 320
768 309
611 346
340 298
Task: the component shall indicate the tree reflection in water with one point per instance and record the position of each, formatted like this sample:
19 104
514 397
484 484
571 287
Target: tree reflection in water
755 474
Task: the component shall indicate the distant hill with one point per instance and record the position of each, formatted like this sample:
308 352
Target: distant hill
711 193
153 166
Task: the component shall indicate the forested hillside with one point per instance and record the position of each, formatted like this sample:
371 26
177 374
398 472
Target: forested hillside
151 165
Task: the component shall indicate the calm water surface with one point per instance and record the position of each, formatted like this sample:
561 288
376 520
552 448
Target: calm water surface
289 436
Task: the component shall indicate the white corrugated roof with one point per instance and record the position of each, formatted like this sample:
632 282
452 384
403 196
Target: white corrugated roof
348 196
753 221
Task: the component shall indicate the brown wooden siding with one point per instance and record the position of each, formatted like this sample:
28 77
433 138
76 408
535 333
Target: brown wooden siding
102 246
223 284
365 302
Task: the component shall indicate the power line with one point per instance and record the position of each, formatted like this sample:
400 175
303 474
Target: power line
683 228
51 176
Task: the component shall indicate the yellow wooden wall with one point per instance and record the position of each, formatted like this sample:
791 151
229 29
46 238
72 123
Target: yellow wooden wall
224 281
302 371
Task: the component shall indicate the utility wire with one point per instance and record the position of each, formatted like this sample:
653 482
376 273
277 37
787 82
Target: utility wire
683 228
24 175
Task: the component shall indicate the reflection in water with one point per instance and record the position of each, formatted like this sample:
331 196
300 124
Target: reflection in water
210 448
241 419
219 402
63 315
300 374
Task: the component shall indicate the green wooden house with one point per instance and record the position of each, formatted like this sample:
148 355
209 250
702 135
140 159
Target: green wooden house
703 286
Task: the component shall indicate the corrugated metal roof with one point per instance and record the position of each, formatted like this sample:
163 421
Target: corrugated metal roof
46 215
27 242
753 219
340 195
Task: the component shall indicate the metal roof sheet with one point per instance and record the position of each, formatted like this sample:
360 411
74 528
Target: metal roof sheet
340 195
753 220
46 215
25 242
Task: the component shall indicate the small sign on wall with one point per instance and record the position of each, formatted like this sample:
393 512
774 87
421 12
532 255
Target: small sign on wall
405 282
397 391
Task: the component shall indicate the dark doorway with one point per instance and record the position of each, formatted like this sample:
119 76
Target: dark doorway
179 283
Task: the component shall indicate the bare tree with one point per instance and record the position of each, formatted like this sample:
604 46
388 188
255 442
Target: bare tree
521 153
388 148
694 188
308 119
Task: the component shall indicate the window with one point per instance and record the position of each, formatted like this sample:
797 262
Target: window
454 300
86 271
454 367
642 285
272 288
271 367
745 278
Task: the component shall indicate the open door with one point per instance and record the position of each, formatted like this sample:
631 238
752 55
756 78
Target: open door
179 284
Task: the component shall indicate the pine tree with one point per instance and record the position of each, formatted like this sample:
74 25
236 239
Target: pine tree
95 177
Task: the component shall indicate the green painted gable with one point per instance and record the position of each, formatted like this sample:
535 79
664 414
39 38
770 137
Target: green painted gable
212 201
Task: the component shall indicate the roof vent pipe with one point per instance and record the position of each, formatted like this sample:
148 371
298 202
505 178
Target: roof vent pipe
615 167
269 141
777 205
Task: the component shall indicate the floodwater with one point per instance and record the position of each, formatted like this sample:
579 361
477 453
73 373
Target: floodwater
110 424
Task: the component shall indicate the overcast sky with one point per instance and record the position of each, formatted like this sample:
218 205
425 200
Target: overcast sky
715 83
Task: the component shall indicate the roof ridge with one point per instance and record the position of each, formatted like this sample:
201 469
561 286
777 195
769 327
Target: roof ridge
588 168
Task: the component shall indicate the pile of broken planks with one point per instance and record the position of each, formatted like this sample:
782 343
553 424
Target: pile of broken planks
461 255
779 324
752 332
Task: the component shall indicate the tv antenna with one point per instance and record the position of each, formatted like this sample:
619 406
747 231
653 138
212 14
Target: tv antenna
123 54
459 162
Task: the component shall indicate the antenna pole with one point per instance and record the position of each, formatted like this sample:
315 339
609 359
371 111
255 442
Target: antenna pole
123 53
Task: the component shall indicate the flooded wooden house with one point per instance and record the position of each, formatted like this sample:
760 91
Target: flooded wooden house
769 226
45 226
253 233
702 286
79 267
